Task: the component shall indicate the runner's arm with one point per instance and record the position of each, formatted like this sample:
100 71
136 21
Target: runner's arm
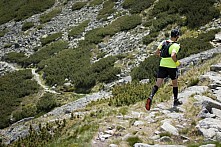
157 52
173 56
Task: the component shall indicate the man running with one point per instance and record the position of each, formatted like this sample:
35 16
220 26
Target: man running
167 50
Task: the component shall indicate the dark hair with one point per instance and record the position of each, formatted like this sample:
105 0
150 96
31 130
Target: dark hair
175 33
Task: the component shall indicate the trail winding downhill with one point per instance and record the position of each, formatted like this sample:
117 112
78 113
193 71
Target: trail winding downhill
39 81
36 76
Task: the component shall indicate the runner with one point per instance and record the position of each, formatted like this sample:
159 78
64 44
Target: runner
167 50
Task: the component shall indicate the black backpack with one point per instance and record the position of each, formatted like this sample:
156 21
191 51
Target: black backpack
164 52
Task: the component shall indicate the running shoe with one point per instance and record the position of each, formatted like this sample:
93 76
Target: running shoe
176 102
148 104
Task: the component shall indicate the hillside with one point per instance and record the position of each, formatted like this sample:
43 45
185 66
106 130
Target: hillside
76 73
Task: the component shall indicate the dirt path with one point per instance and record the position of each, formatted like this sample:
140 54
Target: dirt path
39 81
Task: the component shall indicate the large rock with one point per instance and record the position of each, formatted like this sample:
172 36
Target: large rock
207 102
216 67
210 128
183 96
218 37
169 128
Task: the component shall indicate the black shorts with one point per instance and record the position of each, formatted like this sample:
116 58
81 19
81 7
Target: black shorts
165 72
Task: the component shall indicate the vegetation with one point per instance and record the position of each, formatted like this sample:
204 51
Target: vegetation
123 23
28 110
46 103
77 30
80 132
50 38
42 136
147 69
47 17
44 53
14 57
132 140
158 24
14 86
20 10
195 45
80 71
149 38
95 2
216 143
78 5
107 9
197 14
27 25
125 95
136 6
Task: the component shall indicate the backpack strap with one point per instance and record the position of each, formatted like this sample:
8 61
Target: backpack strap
164 52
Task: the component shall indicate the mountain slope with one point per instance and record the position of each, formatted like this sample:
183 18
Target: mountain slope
85 47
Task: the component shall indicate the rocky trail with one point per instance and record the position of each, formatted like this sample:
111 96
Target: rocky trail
165 124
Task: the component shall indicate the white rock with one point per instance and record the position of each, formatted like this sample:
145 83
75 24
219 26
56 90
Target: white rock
138 123
169 128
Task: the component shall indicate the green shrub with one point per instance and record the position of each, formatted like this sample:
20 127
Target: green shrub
105 70
50 38
75 31
195 45
95 36
78 5
165 20
126 22
47 17
107 9
108 75
147 69
103 63
131 93
136 6
132 140
29 110
75 65
14 86
22 9
46 103
15 57
66 64
123 110
150 38
197 14
101 55
123 23
95 2
45 53
27 25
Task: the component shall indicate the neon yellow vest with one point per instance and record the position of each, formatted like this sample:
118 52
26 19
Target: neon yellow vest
168 62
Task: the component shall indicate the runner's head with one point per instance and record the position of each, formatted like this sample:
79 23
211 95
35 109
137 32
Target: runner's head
175 33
